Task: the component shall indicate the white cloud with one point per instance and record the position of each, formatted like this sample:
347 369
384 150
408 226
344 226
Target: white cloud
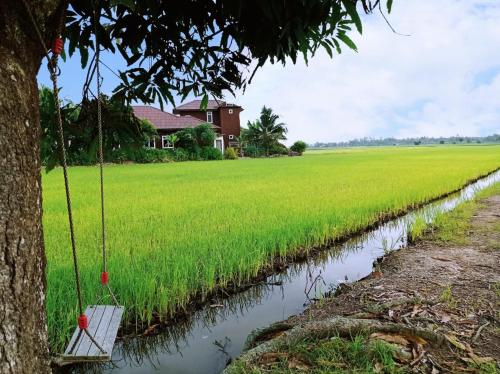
444 79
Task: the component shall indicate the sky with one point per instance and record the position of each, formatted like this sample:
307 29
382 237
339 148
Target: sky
441 80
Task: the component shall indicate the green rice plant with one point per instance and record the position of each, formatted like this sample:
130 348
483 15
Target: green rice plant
448 298
177 229
417 229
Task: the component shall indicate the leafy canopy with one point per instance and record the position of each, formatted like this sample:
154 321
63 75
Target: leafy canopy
121 129
206 46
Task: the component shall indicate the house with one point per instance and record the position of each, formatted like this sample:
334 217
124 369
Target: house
224 118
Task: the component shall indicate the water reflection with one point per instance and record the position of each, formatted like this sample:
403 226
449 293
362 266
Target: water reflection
212 336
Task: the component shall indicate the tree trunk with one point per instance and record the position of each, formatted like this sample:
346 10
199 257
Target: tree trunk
23 325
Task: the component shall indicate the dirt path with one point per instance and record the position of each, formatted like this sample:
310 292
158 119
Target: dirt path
449 287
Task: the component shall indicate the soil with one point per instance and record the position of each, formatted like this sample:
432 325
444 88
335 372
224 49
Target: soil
450 289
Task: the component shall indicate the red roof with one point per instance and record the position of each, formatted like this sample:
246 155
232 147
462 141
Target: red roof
211 105
164 120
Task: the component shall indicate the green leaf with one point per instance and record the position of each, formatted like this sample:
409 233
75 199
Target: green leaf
347 41
327 48
51 162
128 3
63 54
389 5
337 46
350 7
204 102
84 54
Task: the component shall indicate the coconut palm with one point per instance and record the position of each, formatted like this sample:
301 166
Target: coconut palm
266 131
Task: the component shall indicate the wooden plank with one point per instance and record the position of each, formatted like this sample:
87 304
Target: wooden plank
104 322
89 312
100 333
112 329
94 322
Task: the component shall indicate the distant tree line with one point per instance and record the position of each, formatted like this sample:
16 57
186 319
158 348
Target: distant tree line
363 142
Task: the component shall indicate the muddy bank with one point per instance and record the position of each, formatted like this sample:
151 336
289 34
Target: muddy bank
437 301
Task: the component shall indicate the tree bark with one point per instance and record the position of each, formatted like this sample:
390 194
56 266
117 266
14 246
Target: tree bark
23 325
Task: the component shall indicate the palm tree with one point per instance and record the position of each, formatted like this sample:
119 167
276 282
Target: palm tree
173 138
265 131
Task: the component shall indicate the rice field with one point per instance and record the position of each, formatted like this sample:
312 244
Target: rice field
175 229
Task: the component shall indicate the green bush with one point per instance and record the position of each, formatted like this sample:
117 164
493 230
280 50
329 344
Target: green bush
118 156
149 155
205 135
180 154
230 154
79 158
187 139
278 149
252 151
210 153
299 146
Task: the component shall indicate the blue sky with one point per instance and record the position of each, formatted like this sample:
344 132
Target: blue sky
442 80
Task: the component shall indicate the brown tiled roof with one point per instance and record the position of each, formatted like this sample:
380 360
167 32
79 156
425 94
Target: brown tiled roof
164 120
211 105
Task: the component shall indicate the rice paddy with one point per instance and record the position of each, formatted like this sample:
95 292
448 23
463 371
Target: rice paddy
177 229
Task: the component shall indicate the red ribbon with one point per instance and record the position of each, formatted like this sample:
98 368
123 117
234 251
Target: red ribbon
83 323
57 46
104 278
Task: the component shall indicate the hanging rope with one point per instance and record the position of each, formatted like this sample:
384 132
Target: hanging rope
54 72
82 319
104 273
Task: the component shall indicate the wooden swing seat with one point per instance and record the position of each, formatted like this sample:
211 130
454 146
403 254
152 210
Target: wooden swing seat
104 321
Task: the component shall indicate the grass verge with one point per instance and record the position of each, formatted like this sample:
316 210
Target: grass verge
452 227
334 355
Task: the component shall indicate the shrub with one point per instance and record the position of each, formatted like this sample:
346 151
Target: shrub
299 146
195 153
187 139
205 136
210 153
278 149
230 154
118 156
80 158
180 154
149 155
252 151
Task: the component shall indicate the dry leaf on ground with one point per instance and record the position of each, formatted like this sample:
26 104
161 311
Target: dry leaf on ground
455 342
271 357
390 338
297 363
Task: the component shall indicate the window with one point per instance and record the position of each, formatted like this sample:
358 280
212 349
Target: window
230 111
165 143
151 143
210 117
